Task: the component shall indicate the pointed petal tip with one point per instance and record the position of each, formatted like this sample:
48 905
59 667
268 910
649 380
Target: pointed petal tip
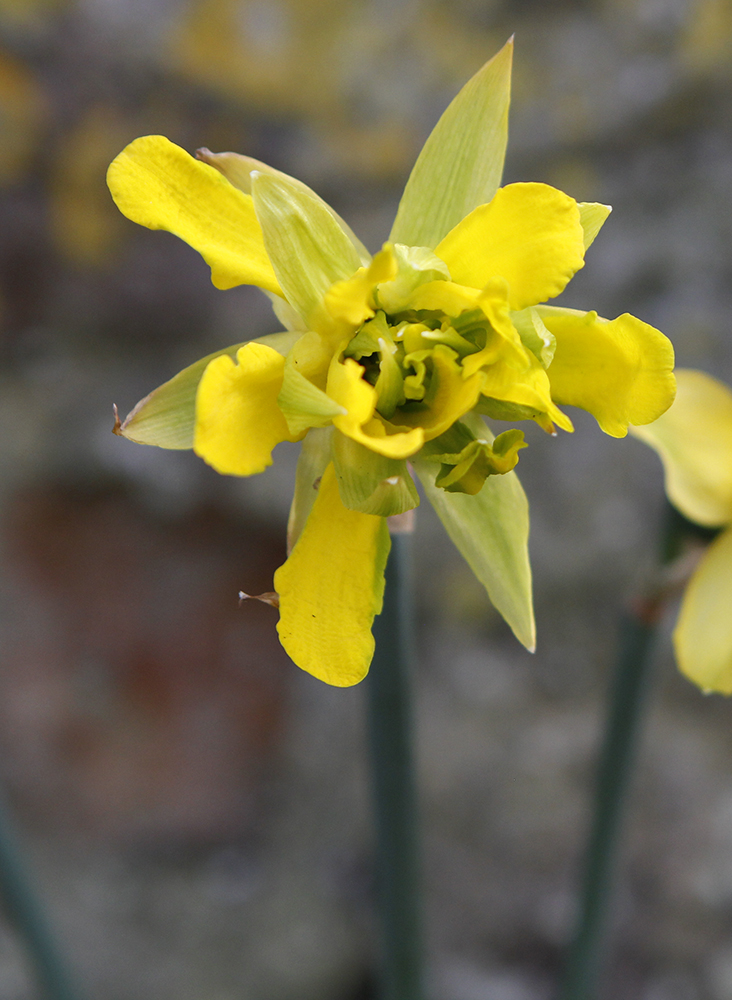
270 597
117 429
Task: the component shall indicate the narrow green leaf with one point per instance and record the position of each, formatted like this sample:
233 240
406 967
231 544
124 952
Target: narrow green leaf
491 530
167 416
237 169
592 218
311 464
307 248
461 163
369 482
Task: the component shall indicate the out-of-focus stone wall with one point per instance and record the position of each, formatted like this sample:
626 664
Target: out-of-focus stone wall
195 807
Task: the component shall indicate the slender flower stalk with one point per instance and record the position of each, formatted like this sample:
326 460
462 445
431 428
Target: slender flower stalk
626 702
398 881
23 908
628 699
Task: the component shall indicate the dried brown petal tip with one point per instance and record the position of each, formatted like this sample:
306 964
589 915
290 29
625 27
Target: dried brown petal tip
270 598
117 429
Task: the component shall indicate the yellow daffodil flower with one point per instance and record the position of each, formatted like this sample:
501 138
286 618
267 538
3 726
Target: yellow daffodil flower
391 358
694 440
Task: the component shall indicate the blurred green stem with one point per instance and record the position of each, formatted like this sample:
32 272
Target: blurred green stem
395 796
628 697
24 911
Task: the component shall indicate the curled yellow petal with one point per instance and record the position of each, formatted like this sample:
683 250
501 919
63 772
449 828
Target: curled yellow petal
157 184
350 303
331 587
529 234
444 296
694 440
238 421
528 389
358 398
620 370
703 635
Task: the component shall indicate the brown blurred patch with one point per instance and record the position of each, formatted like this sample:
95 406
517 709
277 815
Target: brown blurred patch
137 697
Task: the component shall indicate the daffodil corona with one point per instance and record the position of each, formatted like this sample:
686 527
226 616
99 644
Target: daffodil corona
391 358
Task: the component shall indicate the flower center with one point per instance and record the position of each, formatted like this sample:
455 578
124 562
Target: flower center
397 353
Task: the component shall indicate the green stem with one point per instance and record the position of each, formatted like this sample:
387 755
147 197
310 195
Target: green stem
24 911
395 795
627 700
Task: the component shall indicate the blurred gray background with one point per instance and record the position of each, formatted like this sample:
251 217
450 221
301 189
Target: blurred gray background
196 809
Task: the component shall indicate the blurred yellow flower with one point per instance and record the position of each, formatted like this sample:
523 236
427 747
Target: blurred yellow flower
694 440
391 357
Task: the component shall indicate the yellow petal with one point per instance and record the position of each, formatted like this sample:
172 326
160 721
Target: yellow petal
703 635
238 421
157 184
445 296
620 370
694 440
358 398
529 234
349 303
331 587
529 389
493 300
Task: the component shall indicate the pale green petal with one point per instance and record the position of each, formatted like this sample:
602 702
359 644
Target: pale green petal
159 185
416 266
534 335
369 482
592 217
167 416
703 635
237 169
304 404
288 317
491 530
311 464
694 440
461 163
308 249
331 587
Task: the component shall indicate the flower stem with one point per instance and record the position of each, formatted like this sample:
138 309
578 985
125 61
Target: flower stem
395 795
24 910
628 697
